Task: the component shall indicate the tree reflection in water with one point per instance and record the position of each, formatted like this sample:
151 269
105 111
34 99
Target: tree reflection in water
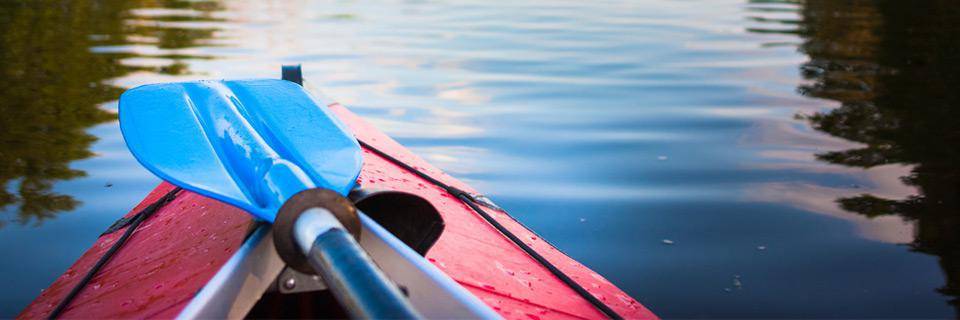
894 68
52 87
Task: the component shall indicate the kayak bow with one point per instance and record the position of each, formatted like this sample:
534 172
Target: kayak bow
193 258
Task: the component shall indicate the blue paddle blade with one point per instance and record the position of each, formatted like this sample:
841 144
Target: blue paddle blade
249 143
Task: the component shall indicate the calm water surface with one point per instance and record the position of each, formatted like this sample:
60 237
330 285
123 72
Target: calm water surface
805 150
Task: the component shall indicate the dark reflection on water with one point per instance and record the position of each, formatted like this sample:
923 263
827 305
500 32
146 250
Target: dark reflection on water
54 59
895 68
50 90
58 63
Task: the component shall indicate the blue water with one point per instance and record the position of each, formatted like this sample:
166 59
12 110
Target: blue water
609 127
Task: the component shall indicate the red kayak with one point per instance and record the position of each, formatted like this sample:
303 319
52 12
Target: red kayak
187 248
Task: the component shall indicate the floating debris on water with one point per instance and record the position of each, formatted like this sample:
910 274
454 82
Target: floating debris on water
667 241
583 219
727 290
107 185
761 248
736 282
661 158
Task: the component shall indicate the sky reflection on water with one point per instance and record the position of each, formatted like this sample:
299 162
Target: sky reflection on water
823 132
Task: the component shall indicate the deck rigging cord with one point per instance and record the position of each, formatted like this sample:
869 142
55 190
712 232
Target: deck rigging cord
472 201
134 223
467 198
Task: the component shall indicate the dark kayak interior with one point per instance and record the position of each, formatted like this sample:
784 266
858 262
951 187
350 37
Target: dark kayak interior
410 218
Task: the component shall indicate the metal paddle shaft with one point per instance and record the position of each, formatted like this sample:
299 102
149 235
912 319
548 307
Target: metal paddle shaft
255 144
347 270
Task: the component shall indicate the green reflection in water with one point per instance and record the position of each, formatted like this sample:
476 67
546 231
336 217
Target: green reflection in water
52 86
895 68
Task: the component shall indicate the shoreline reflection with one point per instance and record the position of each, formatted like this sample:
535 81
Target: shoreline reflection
893 68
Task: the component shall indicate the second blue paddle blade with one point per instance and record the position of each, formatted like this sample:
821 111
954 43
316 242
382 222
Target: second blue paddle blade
249 143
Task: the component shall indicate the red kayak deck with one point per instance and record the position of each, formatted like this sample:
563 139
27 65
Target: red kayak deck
175 252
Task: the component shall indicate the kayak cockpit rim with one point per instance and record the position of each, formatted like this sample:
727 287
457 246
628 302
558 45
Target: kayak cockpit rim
238 285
